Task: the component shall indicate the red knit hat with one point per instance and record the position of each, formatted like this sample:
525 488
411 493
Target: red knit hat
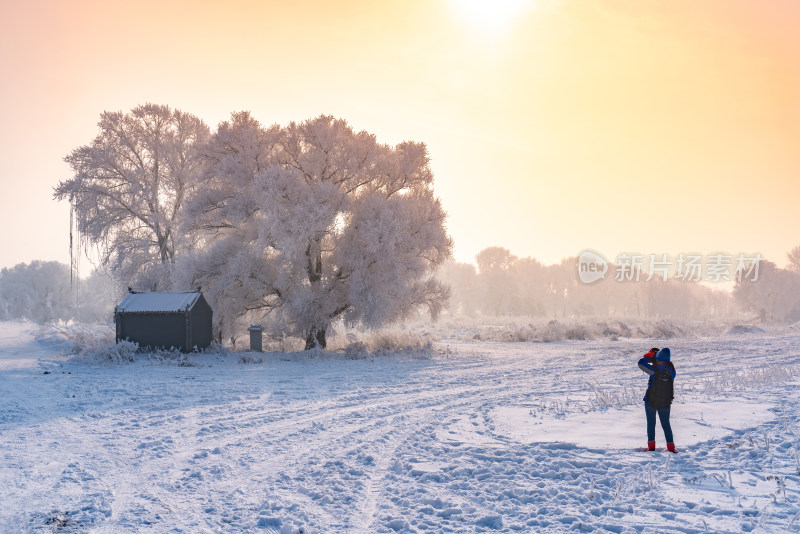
651 353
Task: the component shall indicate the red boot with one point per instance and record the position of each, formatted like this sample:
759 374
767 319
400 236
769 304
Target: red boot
651 446
671 447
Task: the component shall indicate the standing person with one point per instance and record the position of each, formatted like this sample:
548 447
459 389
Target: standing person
656 364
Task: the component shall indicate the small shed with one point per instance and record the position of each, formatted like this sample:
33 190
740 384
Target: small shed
164 319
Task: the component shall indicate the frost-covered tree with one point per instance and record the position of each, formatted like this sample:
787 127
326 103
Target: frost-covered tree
794 259
530 283
96 295
498 287
38 291
129 186
315 222
774 296
41 292
495 259
462 279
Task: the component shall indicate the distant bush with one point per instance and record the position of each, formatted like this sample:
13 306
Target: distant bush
358 345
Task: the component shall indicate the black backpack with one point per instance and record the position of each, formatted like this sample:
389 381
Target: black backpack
660 394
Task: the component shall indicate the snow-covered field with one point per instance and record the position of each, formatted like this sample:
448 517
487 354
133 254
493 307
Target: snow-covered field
476 437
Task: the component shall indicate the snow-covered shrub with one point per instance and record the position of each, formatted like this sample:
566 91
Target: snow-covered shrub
554 331
114 353
76 338
89 343
171 356
517 334
745 329
613 329
356 350
358 345
579 332
215 348
662 329
392 340
733 380
250 357
283 343
614 397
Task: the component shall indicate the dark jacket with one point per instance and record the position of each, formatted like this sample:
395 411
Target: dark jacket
650 365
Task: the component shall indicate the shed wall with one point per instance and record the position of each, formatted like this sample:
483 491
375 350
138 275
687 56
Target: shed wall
200 330
154 330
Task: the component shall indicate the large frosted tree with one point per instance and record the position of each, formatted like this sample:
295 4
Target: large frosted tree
314 222
129 187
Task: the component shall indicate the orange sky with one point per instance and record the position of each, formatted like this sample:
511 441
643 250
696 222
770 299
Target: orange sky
617 125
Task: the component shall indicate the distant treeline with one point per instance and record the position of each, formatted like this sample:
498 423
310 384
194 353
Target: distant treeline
41 291
503 284
500 285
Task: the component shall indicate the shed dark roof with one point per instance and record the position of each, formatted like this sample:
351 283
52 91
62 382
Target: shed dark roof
158 302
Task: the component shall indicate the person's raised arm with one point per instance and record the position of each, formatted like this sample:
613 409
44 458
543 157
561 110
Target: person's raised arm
646 363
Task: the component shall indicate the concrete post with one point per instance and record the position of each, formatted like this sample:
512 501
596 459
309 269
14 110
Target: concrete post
255 338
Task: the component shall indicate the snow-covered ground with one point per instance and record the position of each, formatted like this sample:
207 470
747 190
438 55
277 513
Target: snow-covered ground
478 437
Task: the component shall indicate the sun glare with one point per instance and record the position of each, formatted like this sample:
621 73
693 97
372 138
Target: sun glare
490 16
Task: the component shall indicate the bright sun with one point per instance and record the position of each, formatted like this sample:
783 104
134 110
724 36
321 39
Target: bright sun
492 16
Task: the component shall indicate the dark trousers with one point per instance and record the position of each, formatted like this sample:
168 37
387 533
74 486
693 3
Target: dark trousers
663 416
